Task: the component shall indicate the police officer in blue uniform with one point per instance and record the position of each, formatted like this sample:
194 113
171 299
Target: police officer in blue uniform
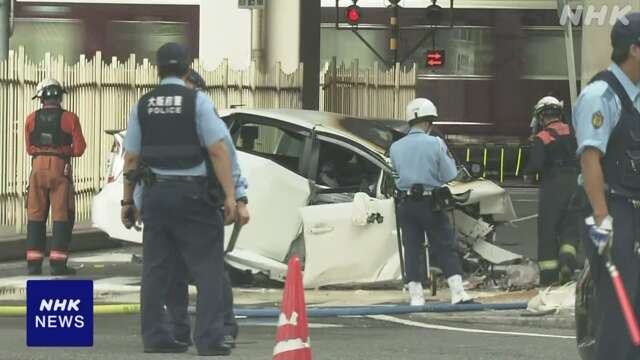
553 158
171 132
423 164
178 296
607 124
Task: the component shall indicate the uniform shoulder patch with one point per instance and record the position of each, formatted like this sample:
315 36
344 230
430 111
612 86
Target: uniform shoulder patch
597 120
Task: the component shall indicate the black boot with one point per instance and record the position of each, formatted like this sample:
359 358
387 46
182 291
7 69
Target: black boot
567 267
548 277
59 249
35 242
60 268
34 267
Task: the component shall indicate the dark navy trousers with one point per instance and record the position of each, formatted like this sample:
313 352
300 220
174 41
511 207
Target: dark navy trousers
181 220
612 337
178 302
416 218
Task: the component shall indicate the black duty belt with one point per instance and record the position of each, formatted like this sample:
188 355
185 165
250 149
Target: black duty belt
633 199
47 153
408 195
180 178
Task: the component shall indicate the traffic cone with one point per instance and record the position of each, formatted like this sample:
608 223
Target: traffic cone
292 336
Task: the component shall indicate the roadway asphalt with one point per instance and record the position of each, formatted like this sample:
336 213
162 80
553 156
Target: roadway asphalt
408 337
116 337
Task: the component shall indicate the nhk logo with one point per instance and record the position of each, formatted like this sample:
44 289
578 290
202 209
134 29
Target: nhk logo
70 306
592 15
59 313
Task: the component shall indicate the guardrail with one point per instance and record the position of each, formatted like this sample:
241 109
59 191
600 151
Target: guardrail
502 162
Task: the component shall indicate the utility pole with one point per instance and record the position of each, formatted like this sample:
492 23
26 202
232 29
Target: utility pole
395 31
257 37
5 30
310 53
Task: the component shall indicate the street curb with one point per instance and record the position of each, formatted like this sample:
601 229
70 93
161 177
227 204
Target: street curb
565 322
14 246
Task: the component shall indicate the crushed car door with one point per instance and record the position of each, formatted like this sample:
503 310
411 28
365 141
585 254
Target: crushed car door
349 235
340 249
271 157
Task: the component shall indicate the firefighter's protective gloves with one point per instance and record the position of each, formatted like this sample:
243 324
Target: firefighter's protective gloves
601 235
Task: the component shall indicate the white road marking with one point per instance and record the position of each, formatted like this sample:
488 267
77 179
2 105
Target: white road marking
466 330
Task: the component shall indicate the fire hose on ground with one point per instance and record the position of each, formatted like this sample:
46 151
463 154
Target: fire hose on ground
312 312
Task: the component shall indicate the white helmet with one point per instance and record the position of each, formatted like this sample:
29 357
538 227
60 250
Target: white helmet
48 83
420 107
548 102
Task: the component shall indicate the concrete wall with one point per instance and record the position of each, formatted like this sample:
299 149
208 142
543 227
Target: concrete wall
598 56
225 32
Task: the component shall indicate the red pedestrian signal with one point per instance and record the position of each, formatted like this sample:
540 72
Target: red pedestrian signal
435 58
353 14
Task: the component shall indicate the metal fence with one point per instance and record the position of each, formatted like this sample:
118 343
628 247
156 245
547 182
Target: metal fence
102 95
377 92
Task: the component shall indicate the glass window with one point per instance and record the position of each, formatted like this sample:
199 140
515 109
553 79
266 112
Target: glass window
342 168
346 47
281 146
56 36
545 54
143 38
468 51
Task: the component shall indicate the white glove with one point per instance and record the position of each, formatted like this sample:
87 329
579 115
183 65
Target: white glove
601 235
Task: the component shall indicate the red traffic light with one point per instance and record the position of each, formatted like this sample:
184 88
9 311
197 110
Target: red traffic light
353 14
435 58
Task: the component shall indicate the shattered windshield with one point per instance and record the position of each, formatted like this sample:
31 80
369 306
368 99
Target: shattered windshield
379 132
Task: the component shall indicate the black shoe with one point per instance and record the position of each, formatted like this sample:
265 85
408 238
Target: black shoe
174 347
185 339
230 341
220 350
34 269
59 271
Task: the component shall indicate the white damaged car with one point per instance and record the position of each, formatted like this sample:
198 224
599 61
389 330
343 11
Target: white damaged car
321 188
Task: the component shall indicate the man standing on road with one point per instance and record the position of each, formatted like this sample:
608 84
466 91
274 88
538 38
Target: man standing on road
169 130
53 136
553 157
607 126
423 164
178 295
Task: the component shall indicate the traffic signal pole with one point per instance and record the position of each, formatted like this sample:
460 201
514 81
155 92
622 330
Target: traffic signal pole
310 53
395 33
5 31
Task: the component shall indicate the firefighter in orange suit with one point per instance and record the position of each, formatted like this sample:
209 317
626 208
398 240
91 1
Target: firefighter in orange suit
53 136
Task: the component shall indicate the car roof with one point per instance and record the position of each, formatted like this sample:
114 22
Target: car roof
375 134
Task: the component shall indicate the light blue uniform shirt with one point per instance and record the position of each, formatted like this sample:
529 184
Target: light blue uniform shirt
419 158
210 129
598 99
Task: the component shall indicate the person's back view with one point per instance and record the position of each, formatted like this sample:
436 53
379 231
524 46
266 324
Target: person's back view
171 131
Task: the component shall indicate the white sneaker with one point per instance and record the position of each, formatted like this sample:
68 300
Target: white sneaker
416 293
458 295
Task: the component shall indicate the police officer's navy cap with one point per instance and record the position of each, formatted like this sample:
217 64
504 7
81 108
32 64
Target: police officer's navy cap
172 54
626 30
